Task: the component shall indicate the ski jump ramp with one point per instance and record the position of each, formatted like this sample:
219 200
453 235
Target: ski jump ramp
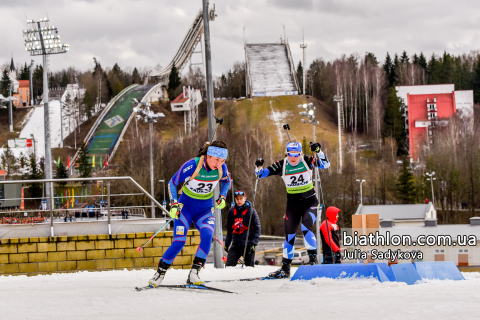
270 70
189 43
106 134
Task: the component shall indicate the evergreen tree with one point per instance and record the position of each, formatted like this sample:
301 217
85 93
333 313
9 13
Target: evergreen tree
9 162
415 59
135 76
422 61
24 74
394 121
64 81
174 81
388 67
62 173
370 58
35 189
5 83
406 190
300 77
117 87
433 70
38 81
476 82
89 104
84 166
404 58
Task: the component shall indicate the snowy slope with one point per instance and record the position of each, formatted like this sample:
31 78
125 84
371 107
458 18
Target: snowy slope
111 295
34 124
269 68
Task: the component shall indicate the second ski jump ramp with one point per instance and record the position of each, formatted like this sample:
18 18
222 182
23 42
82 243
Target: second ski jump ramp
270 70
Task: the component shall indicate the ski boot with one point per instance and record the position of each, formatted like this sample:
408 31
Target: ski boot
193 276
312 255
159 274
284 271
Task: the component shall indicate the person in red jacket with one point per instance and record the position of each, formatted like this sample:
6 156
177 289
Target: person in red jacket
330 238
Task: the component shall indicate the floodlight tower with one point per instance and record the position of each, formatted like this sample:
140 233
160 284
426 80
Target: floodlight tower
310 114
303 45
151 118
42 39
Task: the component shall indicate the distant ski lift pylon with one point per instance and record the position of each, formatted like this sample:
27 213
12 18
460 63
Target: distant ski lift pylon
188 102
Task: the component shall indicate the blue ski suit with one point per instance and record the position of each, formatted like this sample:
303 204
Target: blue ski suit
200 211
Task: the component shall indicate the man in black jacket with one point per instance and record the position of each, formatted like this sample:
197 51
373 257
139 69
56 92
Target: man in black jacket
237 228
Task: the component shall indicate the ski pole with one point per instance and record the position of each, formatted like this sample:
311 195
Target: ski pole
250 218
221 243
323 205
139 249
287 127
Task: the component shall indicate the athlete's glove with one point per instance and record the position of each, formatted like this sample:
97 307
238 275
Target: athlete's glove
252 249
259 162
315 147
274 167
175 210
220 203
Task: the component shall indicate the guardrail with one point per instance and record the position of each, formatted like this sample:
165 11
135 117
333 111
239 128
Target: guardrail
292 66
51 203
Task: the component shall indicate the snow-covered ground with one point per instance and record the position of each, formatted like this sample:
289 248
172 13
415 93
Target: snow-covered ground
111 295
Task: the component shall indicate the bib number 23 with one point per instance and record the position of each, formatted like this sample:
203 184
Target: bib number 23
205 187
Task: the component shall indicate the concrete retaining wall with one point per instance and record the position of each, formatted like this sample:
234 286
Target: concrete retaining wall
62 254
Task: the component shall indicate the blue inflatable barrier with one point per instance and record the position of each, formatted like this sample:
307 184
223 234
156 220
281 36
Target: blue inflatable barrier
339 271
441 270
403 272
382 265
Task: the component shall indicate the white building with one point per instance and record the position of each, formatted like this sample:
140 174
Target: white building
404 215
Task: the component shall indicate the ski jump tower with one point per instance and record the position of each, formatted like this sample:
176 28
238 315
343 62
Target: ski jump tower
270 70
187 47
188 102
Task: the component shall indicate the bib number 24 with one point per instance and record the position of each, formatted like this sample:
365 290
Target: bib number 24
295 180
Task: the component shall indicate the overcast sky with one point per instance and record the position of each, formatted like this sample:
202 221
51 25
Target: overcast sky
141 33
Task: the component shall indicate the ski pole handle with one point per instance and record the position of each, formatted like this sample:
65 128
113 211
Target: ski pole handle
140 249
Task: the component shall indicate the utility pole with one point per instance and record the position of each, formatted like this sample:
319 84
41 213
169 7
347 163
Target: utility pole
361 195
339 99
32 101
61 122
431 178
10 106
150 124
217 249
303 46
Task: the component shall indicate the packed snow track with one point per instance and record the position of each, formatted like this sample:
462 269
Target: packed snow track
112 295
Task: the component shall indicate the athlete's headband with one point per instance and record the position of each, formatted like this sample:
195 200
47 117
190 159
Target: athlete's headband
217 152
294 146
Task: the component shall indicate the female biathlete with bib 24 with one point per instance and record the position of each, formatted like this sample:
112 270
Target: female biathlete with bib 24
200 176
296 171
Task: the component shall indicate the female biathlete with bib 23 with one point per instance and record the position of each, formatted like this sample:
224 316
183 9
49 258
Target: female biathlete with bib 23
296 172
200 176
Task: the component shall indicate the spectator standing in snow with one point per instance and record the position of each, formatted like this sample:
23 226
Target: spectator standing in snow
237 226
